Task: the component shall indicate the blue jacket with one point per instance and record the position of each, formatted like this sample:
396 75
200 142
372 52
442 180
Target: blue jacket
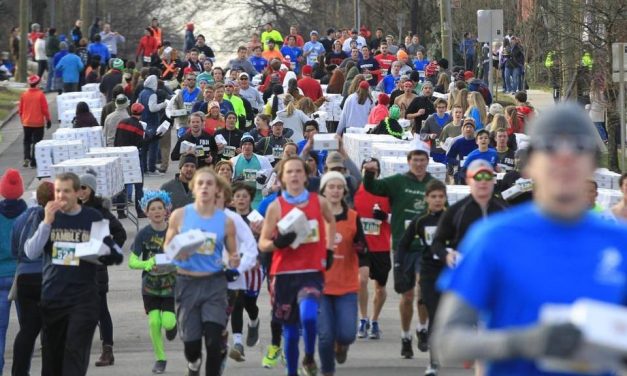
97 48
9 212
460 148
70 66
55 60
25 225
259 63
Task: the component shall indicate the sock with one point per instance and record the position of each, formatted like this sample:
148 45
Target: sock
254 322
237 338
366 319
290 333
276 329
195 366
421 327
154 326
406 335
308 320
168 320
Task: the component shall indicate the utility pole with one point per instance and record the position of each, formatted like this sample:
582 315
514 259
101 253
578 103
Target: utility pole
356 4
23 54
445 30
84 14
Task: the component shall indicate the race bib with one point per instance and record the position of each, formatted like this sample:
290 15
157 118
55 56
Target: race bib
229 151
200 151
314 234
277 152
188 107
209 246
430 234
250 175
371 226
63 254
147 59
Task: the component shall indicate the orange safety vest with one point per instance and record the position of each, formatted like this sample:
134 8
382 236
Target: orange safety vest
168 68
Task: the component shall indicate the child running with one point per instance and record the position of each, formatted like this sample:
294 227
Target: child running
157 281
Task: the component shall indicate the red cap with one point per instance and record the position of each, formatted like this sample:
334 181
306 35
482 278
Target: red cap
11 184
383 99
307 70
137 108
468 75
33 79
364 84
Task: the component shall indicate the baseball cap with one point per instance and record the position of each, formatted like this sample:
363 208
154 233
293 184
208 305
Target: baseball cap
468 75
33 79
364 84
121 101
276 121
313 32
137 108
247 138
244 75
334 160
418 145
477 166
307 69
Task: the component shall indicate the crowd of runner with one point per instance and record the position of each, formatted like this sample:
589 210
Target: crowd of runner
246 157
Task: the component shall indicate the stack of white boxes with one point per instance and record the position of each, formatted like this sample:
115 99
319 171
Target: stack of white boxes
455 193
380 150
607 179
359 146
398 165
50 152
66 105
92 137
109 178
332 107
608 197
129 156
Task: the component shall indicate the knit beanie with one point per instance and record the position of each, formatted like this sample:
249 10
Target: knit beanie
188 158
383 99
395 112
11 185
121 101
331 175
89 180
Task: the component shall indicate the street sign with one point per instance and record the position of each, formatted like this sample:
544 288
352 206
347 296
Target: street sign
617 50
489 25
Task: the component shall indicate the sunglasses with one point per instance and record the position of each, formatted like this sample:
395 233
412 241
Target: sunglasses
483 176
191 79
83 187
243 78
575 145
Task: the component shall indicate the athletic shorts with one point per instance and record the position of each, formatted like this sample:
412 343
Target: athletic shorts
405 273
379 264
290 289
159 303
200 300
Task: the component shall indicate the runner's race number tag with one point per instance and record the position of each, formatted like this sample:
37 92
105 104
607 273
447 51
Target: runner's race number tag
314 233
188 107
147 59
277 152
209 246
371 226
200 151
229 151
63 254
250 175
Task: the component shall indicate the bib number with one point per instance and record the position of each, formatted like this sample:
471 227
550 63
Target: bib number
250 175
371 226
200 151
229 151
63 254
314 234
430 234
209 246
188 107
147 59
277 152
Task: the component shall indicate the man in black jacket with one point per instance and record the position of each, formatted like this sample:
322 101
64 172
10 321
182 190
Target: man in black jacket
178 188
205 150
456 221
130 132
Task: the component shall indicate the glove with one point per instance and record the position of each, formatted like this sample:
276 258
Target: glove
261 179
550 340
284 240
149 264
115 257
231 275
329 259
48 124
379 214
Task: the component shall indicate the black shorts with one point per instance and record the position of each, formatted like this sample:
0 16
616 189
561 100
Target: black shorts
405 270
290 289
379 264
159 303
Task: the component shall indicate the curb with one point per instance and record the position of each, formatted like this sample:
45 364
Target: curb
10 117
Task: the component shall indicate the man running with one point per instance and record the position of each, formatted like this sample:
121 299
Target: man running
406 193
557 252
298 272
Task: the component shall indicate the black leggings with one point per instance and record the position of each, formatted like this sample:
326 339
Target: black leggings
215 346
32 135
243 301
29 317
104 321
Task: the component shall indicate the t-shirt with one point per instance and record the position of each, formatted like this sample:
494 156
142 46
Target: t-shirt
294 53
589 256
259 63
507 157
316 49
67 279
369 64
160 282
489 155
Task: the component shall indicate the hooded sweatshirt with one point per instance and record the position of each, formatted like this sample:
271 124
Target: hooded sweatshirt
9 211
148 98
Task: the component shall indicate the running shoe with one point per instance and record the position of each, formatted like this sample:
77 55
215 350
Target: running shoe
237 353
341 353
26 163
423 340
159 367
252 335
375 332
406 350
309 368
171 334
194 369
272 357
364 326
431 371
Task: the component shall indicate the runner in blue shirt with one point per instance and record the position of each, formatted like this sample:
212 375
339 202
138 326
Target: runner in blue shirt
313 49
257 60
292 52
483 151
556 252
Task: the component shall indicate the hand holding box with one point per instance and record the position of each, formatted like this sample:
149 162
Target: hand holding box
184 245
90 251
295 221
